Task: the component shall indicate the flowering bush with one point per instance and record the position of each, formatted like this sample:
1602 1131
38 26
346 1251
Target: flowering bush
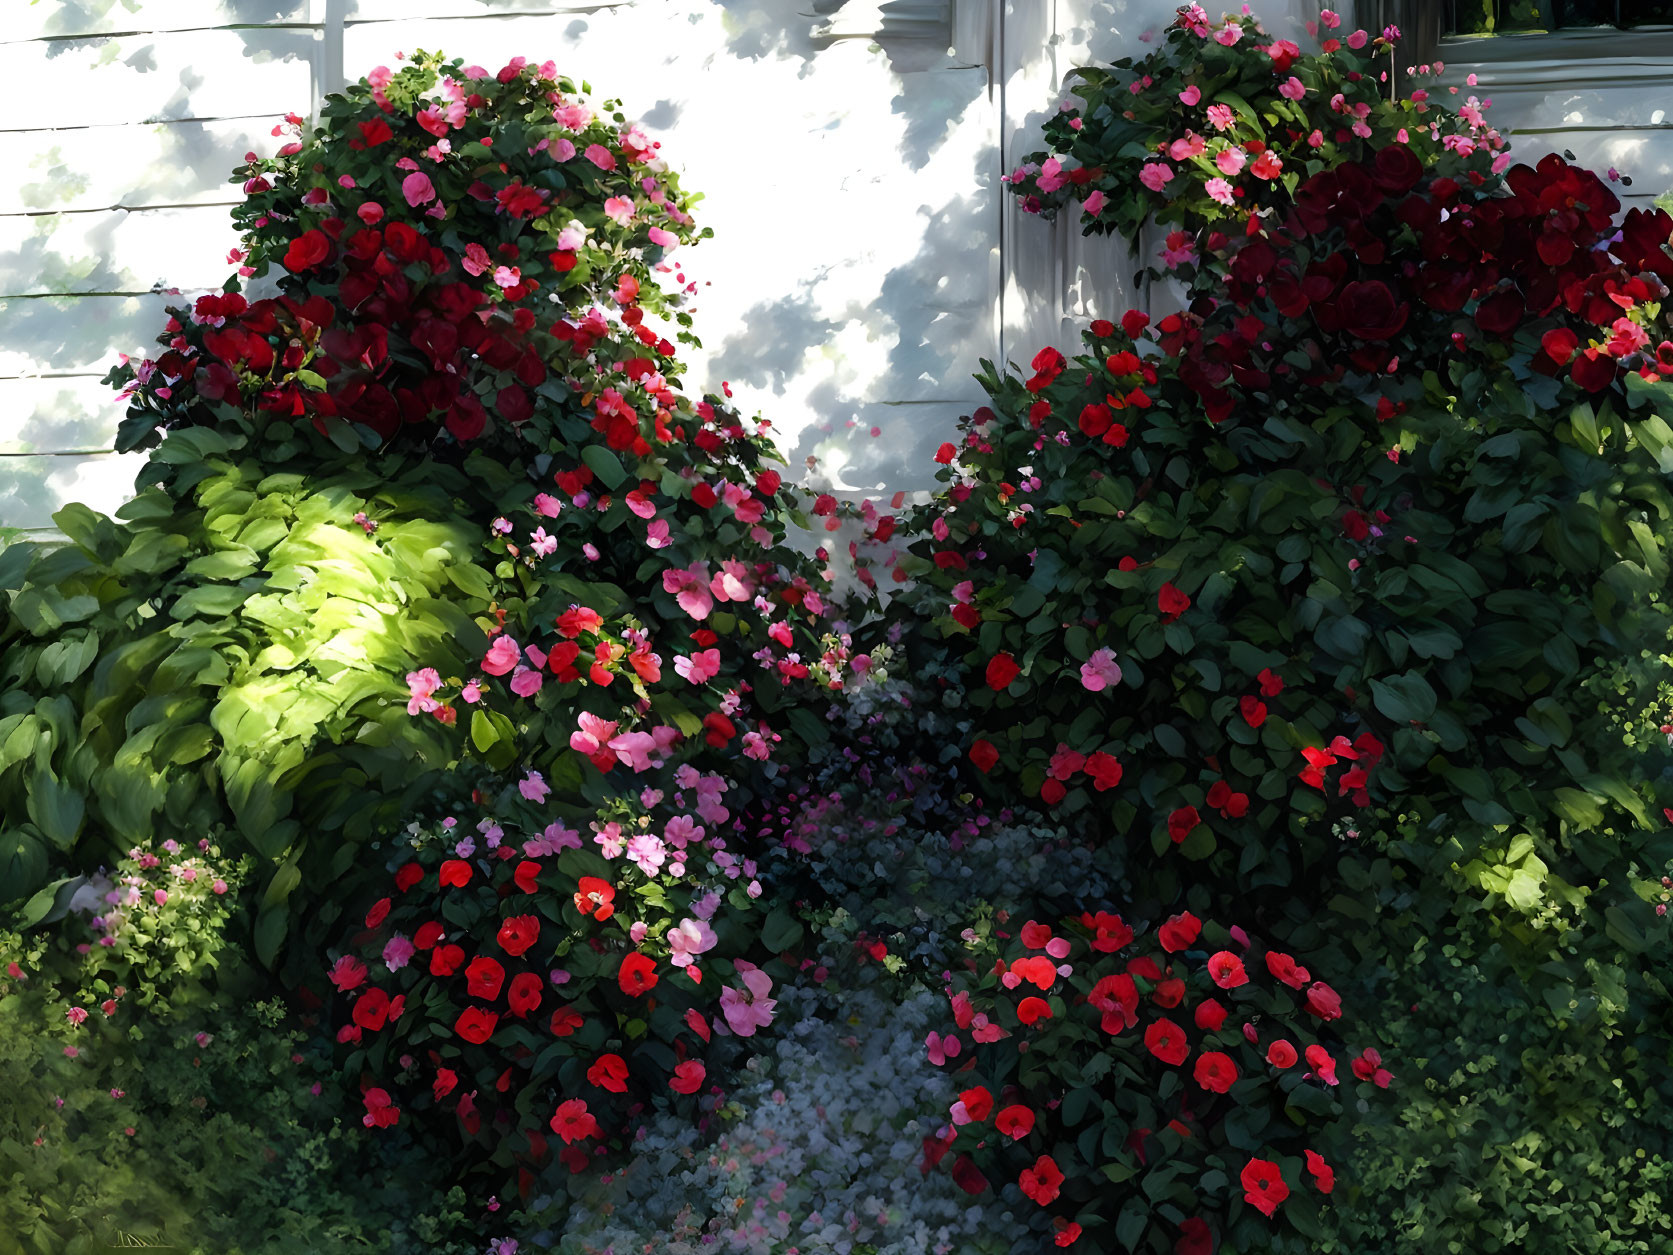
1123 1094
818 1140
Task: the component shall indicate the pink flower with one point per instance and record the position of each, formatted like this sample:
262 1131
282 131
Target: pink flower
701 667
1331 20
619 209
1190 95
1093 205
348 973
1220 117
688 939
1100 671
398 951
420 686
76 1015
746 1012
690 588
942 1048
1187 147
418 189
546 505
1292 88
595 733
502 656
1267 166
656 534
1156 175
1220 190
1231 161
1051 175
601 156
533 787
507 276
1357 40
1228 34
633 749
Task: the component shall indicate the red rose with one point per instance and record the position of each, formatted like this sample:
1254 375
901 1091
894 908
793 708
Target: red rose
484 977
1104 769
719 729
1215 1071
1179 931
1052 792
1103 328
476 1025
446 960
1166 1040
524 994
1094 420
1133 323
1002 669
1593 369
637 974
1172 602
307 251
1395 169
1182 822
1559 345
966 615
984 755
518 933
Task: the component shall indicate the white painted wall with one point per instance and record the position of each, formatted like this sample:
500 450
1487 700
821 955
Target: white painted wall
864 259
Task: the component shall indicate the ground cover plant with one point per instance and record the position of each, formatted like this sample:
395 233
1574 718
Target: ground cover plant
1246 828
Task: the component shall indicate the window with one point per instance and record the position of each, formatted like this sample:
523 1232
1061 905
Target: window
1499 17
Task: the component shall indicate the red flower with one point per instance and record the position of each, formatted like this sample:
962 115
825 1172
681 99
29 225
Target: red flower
1068 1232
1369 1067
1109 933
1133 323
984 755
1002 669
1118 998
1593 369
1036 936
967 1176
307 251
1559 345
1105 770
946 453
609 1072
687 1078
573 1122
1263 1185
1043 1181
455 874
1253 710
409 875
1215 1071
380 1113
429 932
1271 683
1286 969
375 132
1280 1054
476 1025
525 876
1324 1176
348 973
1323 1065
446 960
565 1021
1166 1040
1195 1238
1226 969
1172 602
595 898
518 933
1367 309
1048 365
1324 1002
1179 931
978 1103
443 1085
1032 1009
1015 1122
1210 1015
523 995
1317 761
484 977
371 1009
1181 822
638 974
719 729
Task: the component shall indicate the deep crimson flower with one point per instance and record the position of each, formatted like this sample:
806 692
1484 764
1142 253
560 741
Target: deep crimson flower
1043 1181
1215 1071
688 1077
1002 669
1271 683
967 1176
483 977
1367 309
637 974
1263 1185
476 1025
307 251
446 960
455 874
380 1112
719 730
609 1071
573 1122
1195 1238
1014 1122
429 932
984 755
1369 1067
409 875
1592 369
1105 770
1501 312
371 1009
523 995
1253 710
1182 822
1226 970
518 933
1172 603
1166 1040
1210 1015
565 1021
1179 931
1395 169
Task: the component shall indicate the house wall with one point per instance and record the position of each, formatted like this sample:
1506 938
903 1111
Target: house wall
864 259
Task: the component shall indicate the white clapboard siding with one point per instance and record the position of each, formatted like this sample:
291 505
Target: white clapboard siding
115 251
35 486
58 18
104 167
79 335
401 10
60 414
118 79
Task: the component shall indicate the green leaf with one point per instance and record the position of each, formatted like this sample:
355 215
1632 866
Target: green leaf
51 903
781 931
606 465
1404 698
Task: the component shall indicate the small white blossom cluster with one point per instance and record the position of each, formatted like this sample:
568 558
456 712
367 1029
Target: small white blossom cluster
821 1152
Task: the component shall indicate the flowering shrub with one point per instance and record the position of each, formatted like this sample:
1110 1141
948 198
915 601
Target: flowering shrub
818 1139
1122 1093
524 991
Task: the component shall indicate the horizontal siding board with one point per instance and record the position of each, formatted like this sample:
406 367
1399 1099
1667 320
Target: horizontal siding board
146 78
118 251
74 414
78 335
34 487
59 18
95 168
400 10
1582 101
